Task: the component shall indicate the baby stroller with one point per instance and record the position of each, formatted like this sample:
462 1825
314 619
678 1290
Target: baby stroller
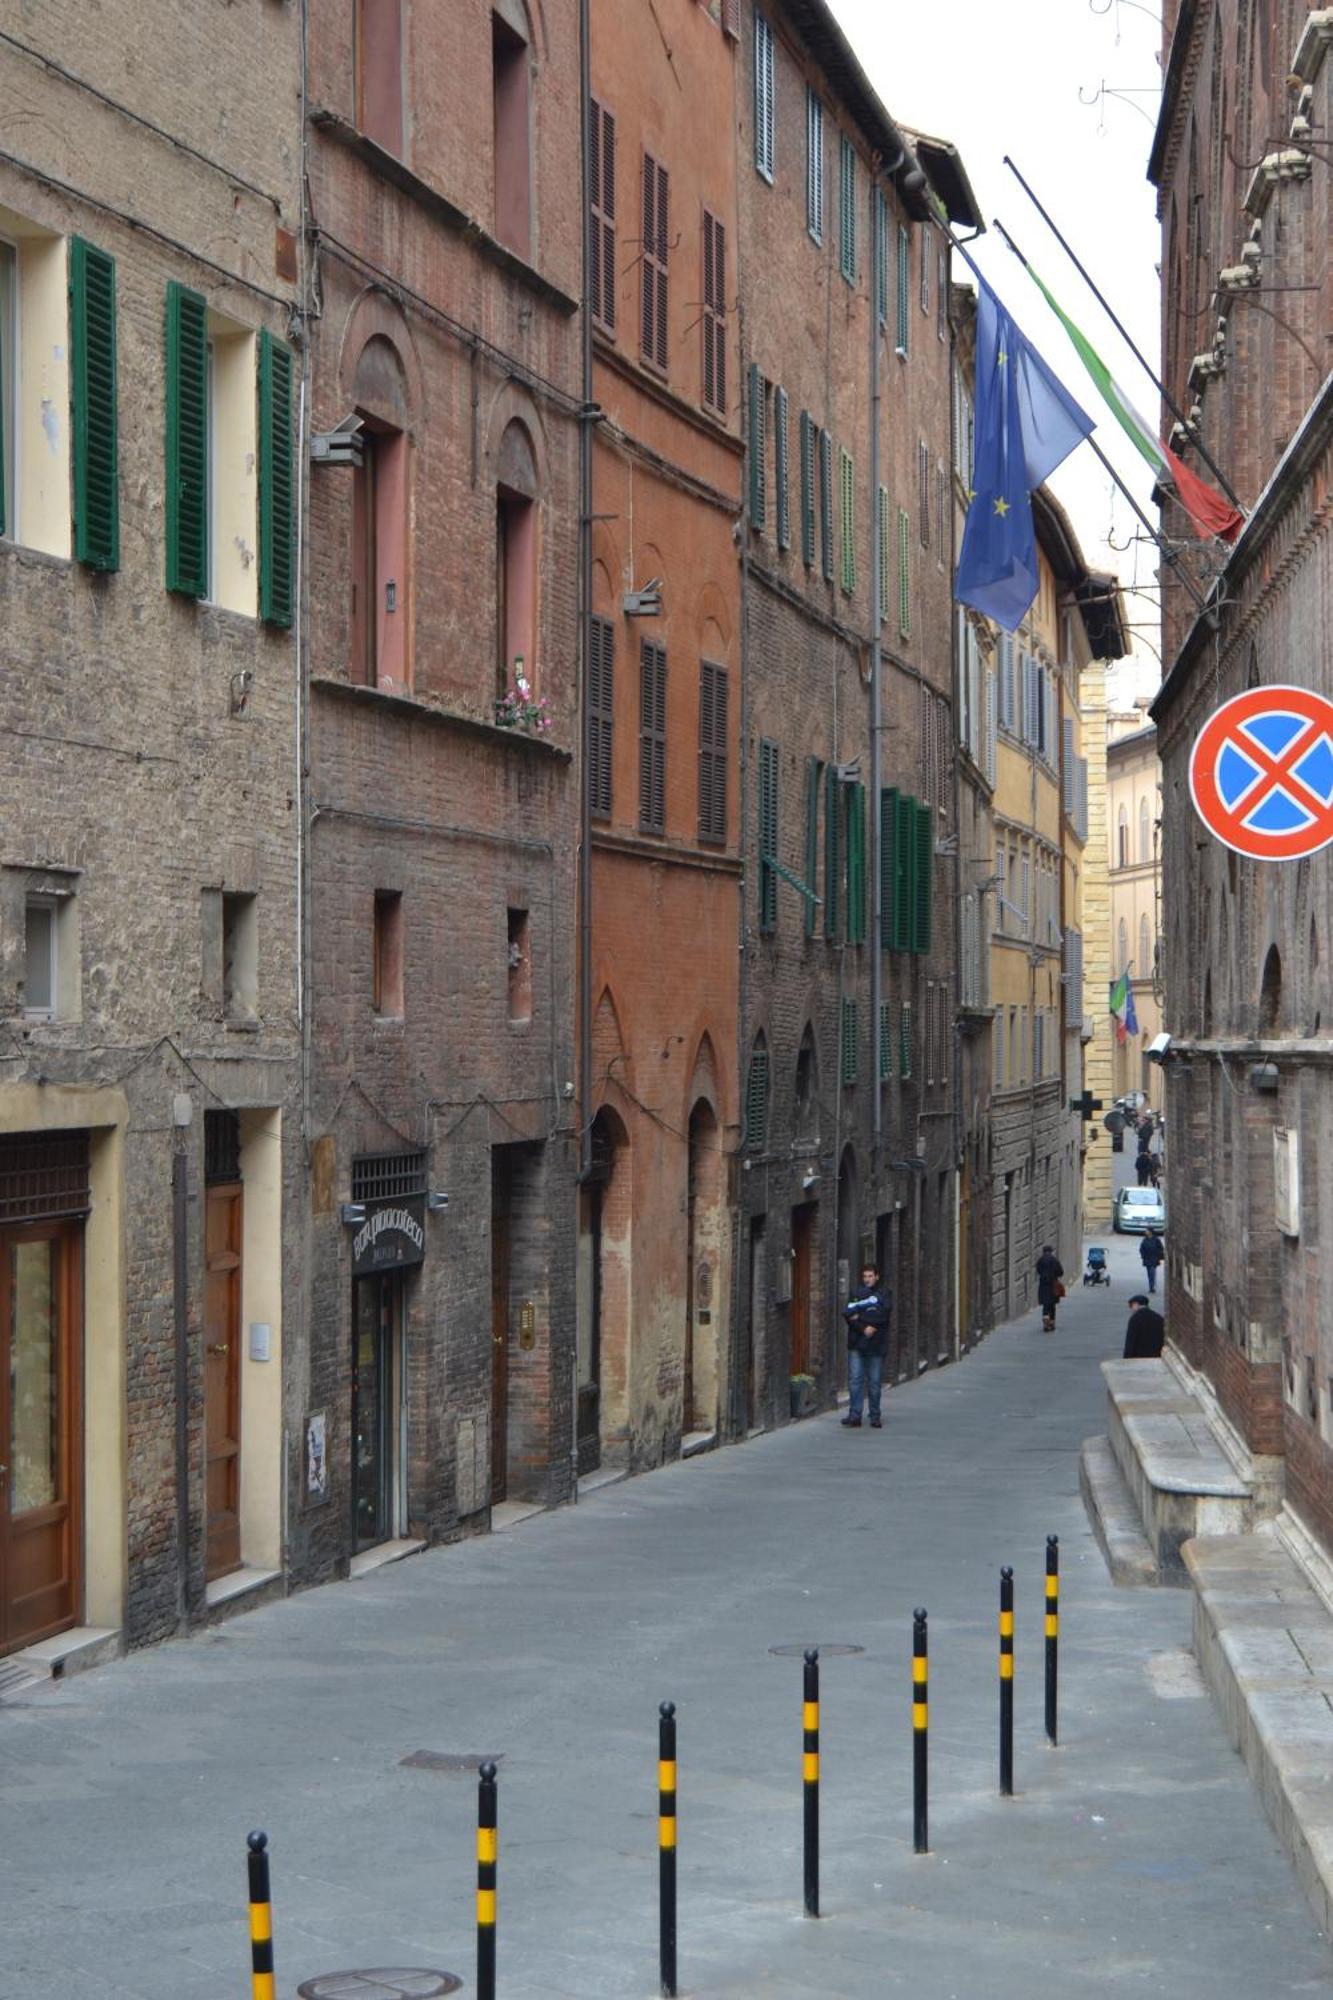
1096 1273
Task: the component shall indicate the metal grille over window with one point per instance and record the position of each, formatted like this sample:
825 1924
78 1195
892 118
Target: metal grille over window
44 1174
222 1148
386 1176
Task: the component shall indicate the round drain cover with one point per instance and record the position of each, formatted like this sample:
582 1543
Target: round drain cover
825 1652
384 1983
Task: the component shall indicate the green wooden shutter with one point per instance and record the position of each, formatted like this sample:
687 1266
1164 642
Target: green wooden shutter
884 546
924 885
92 340
856 864
807 489
885 1052
826 503
904 573
780 469
276 511
888 812
904 253
758 474
847 484
904 871
187 441
847 216
882 256
768 835
813 773
850 1041
905 1039
756 1101
832 853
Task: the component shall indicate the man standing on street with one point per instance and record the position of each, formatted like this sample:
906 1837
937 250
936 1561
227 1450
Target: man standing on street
1050 1290
867 1316
1146 1331
1151 1253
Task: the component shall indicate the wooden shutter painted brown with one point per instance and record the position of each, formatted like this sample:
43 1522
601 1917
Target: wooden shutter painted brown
602 200
714 315
731 19
656 228
601 697
712 753
652 737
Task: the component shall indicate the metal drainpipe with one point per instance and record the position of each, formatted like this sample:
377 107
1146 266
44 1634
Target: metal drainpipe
739 1396
584 612
876 662
961 1260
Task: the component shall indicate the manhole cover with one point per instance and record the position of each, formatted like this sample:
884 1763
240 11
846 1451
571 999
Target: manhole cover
798 1651
381 1984
467 1761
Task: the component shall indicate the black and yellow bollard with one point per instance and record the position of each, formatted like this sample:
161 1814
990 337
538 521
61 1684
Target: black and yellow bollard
920 1735
488 1860
261 1920
810 1776
666 1845
1052 1636
1006 1683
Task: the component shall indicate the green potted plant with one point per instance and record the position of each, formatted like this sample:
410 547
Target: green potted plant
804 1392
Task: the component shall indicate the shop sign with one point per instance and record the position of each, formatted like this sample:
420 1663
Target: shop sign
392 1237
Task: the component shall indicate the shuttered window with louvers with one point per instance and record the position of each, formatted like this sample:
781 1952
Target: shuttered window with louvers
768 835
656 226
826 504
277 546
712 753
187 441
847 497
814 165
652 737
602 200
756 1099
92 316
763 96
807 490
601 701
781 467
715 315
758 448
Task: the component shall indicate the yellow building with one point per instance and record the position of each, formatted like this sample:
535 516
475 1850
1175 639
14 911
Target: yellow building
1133 824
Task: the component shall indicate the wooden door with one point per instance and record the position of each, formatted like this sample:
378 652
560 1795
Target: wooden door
222 1376
499 1332
802 1249
41 1291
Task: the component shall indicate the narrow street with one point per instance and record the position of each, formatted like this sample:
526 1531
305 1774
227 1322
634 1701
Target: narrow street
1136 1859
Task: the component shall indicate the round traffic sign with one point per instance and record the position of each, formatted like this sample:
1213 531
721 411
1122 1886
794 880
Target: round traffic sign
1261 773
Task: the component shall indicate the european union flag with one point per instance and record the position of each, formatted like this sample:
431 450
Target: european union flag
1026 424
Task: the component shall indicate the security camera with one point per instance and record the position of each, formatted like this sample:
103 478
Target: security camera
1159 1048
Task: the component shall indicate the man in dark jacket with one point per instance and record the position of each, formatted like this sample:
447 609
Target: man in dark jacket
1049 1289
1151 1252
1146 1331
867 1316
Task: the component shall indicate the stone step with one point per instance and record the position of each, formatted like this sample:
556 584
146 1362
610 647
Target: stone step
1182 1480
1114 1517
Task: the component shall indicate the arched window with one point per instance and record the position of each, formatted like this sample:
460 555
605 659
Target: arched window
1144 967
1122 948
1145 832
516 564
380 620
1122 837
807 1088
1270 993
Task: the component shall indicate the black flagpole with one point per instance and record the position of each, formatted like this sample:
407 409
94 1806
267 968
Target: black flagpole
1159 385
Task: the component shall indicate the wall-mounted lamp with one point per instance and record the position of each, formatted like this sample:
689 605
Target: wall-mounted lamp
1264 1078
353 1214
437 1201
645 603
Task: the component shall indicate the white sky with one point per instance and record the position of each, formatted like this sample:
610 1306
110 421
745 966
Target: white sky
1006 79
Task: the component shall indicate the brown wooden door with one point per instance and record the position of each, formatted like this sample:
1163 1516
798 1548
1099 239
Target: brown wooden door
41 1304
802 1247
222 1376
499 1336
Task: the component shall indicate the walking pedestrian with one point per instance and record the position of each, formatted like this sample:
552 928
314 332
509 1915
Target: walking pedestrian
1151 1252
1049 1288
1143 1164
1146 1331
867 1316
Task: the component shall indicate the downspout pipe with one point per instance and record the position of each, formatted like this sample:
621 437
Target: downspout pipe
876 693
587 417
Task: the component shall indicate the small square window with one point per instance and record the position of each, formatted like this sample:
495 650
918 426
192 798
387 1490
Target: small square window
240 957
520 966
387 997
40 967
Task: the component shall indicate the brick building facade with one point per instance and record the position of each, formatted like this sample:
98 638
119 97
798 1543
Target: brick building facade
444 274
1244 202
150 1147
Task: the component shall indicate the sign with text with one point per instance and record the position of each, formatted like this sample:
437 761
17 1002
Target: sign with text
392 1237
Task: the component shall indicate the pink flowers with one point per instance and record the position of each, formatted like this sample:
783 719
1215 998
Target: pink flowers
516 709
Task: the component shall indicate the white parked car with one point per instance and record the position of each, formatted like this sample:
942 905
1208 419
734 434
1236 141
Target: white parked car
1137 1210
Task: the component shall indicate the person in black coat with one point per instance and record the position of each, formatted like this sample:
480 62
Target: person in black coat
1146 1331
867 1315
1151 1252
1049 1273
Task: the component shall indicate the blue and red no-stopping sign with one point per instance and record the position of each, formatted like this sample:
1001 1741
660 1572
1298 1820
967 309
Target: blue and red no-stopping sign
1261 773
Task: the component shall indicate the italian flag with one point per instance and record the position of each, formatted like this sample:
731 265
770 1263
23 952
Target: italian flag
1120 1001
1210 511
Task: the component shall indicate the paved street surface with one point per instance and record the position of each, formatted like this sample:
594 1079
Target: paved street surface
1135 1861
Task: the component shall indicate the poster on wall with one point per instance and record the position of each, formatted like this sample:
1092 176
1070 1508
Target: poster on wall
316 1458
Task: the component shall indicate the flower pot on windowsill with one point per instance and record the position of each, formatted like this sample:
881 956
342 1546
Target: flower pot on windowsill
804 1395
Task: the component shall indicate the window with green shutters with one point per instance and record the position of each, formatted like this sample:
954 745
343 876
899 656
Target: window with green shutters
847 511
885 547
905 1050
276 512
807 489
814 775
758 450
882 256
904 573
856 863
756 1099
96 443
781 470
924 885
768 835
888 829
904 284
187 441
849 1045
885 1040
832 853
847 208
904 873
826 503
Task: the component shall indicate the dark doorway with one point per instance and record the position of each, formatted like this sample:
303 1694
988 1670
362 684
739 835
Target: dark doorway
377 1311
501 1226
223 1222
803 1234
40 1324
605 1304
702 1265
755 1345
